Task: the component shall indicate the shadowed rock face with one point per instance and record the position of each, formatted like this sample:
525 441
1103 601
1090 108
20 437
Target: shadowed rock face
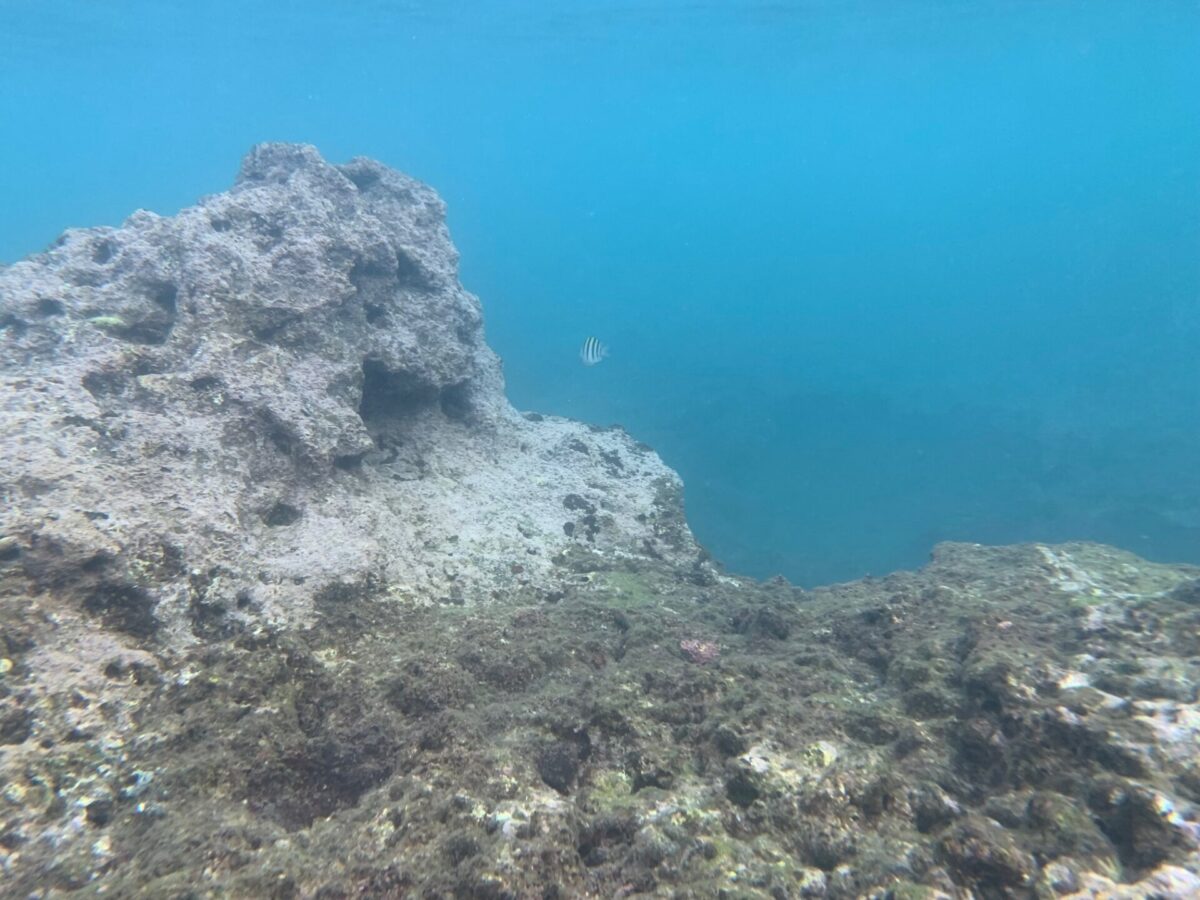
211 418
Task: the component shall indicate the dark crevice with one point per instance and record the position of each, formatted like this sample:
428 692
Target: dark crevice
14 325
376 314
363 179
165 294
124 607
392 395
409 273
155 327
365 270
103 251
282 514
280 436
104 383
267 332
348 462
455 401
375 288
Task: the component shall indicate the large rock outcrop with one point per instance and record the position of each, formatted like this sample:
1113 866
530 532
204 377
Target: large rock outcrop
283 393
294 605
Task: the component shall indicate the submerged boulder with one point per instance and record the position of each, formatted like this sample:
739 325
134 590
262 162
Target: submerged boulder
215 419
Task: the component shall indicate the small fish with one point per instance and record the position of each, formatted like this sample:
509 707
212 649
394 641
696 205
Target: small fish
592 352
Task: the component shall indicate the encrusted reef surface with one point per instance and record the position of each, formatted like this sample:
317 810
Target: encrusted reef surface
294 605
283 394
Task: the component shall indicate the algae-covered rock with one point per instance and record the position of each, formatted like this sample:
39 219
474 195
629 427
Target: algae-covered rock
293 605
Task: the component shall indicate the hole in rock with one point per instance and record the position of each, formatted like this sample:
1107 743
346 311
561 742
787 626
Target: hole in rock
282 514
96 563
105 383
375 286
103 251
165 294
48 307
349 462
363 179
456 401
16 725
269 322
313 788
409 273
376 314
124 607
392 395
343 755
282 438
13 324
155 326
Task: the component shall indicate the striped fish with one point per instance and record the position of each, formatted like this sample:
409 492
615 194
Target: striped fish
592 352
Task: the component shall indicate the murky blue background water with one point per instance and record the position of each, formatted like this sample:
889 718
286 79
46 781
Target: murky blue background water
874 274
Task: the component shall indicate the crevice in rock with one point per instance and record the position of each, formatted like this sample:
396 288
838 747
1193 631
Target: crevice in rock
389 395
376 314
205 382
281 437
363 179
409 273
105 382
103 251
111 382
124 607
348 462
282 514
270 323
209 618
325 774
156 326
374 287
14 325
337 752
455 401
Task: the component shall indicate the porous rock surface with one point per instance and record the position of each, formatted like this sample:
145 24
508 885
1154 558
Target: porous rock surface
285 391
293 605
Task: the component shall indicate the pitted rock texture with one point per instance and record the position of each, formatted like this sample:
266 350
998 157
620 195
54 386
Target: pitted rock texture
1015 722
214 419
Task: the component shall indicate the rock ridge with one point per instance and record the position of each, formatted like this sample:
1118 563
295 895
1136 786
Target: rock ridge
282 391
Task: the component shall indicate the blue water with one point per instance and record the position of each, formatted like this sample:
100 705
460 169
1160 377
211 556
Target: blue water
874 274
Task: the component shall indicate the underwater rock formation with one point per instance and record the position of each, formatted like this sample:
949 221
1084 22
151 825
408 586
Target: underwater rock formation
282 394
294 605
